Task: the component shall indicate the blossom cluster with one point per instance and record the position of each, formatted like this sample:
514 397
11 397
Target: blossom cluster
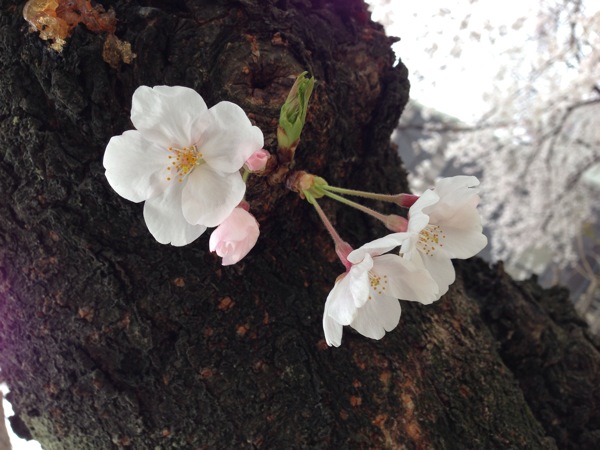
442 224
185 162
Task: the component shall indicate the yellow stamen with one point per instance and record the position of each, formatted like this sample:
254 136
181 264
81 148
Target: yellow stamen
378 284
184 160
430 238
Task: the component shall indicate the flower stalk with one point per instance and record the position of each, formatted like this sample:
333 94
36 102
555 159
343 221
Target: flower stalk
404 200
342 248
392 222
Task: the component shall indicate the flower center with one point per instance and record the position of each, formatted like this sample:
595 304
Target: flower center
430 238
183 160
378 284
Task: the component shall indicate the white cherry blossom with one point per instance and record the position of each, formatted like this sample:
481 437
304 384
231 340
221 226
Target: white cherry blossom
442 224
366 296
183 160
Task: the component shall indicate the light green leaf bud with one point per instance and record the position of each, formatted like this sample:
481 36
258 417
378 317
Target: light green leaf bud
293 113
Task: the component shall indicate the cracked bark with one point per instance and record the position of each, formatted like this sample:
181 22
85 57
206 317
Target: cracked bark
110 340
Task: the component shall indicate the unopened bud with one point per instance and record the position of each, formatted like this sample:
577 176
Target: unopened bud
235 236
257 161
395 223
406 200
293 113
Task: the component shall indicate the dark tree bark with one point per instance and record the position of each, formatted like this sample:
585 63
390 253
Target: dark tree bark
111 340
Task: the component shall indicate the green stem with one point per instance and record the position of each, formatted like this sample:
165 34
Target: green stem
355 205
342 248
365 194
245 175
405 200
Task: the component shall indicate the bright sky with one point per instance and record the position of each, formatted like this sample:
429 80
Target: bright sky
17 444
447 75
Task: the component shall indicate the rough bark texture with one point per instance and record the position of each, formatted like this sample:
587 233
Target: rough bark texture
110 340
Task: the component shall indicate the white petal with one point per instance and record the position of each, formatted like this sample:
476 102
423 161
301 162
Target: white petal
333 330
377 317
165 220
428 198
229 139
464 216
461 226
210 197
358 277
378 246
455 193
388 310
171 116
339 304
406 280
417 221
443 211
135 168
409 245
462 244
453 189
441 270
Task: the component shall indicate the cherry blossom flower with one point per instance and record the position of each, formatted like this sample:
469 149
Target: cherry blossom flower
366 296
235 237
443 224
183 160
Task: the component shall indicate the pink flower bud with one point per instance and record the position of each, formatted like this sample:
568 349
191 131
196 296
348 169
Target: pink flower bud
257 161
406 200
244 205
235 237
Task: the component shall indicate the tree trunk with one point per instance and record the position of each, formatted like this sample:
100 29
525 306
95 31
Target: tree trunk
111 340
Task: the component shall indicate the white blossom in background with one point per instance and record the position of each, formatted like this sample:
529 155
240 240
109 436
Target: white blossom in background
183 160
540 137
